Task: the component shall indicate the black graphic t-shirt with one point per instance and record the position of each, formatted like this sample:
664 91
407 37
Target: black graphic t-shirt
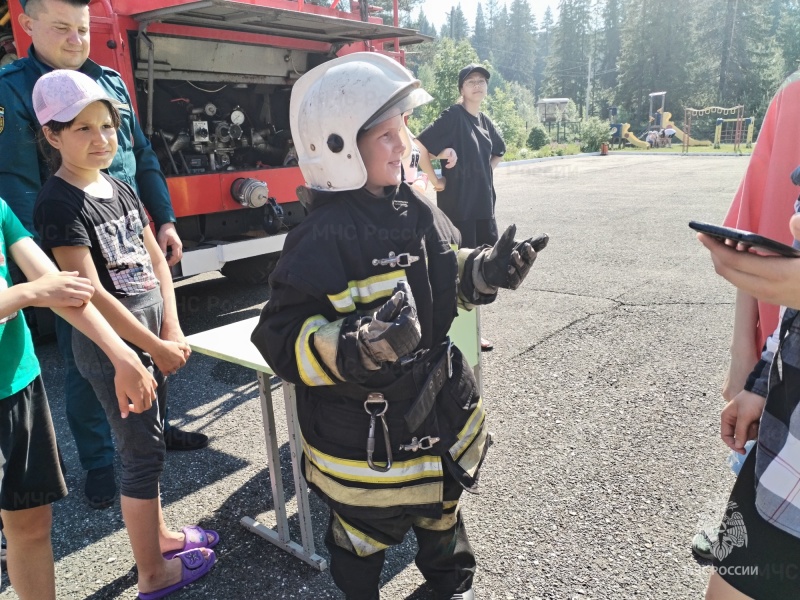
112 228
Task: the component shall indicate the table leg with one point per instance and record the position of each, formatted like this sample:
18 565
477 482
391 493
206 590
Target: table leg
300 486
281 537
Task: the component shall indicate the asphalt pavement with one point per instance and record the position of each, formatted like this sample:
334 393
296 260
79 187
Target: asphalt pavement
602 393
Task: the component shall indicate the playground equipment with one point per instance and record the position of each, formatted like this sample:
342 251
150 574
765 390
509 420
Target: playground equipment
658 119
655 117
662 119
729 135
666 121
738 110
626 135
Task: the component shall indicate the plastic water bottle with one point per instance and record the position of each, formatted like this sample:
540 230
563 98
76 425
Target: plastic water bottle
736 460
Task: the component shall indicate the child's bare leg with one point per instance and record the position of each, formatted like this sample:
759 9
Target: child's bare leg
144 530
168 539
719 589
30 552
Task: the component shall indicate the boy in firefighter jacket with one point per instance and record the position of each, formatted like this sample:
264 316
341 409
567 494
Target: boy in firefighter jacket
362 300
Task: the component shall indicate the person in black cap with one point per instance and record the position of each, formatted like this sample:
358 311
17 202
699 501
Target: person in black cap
466 193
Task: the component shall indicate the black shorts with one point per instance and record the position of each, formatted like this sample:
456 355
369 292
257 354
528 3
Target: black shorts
30 469
753 556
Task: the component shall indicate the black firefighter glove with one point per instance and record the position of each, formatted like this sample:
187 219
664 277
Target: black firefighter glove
392 332
509 261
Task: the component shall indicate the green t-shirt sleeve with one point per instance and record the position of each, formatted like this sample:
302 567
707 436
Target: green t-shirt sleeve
18 366
13 231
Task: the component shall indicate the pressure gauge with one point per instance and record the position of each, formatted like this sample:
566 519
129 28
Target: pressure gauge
237 116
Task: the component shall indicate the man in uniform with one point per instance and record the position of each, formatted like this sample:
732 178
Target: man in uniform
59 30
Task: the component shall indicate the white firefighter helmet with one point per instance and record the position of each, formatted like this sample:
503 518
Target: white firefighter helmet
334 101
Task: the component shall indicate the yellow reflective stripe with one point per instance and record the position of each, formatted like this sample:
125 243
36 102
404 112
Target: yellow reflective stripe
357 470
469 431
362 543
366 290
426 493
308 366
470 459
448 521
343 303
462 256
454 247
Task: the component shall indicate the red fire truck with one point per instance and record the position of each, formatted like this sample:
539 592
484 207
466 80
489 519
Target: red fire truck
211 81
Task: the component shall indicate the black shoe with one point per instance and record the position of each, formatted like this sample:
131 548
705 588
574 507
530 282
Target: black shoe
178 439
101 487
3 554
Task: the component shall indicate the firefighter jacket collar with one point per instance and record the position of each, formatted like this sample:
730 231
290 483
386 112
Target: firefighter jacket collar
313 199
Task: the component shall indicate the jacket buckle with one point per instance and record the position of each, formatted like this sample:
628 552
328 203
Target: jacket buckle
404 260
425 443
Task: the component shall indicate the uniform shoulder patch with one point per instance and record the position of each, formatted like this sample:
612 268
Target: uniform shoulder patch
2 118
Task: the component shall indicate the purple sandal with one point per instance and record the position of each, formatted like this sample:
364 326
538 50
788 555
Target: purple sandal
195 537
195 565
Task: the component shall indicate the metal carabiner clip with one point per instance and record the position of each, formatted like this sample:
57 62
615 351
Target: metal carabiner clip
425 443
403 260
376 406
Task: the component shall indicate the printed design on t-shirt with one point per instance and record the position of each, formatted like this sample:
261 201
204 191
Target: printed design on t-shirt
127 261
3 287
414 156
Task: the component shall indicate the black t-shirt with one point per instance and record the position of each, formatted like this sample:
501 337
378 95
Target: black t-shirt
469 193
112 228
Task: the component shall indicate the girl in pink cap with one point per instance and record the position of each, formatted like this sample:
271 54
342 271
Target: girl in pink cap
96 225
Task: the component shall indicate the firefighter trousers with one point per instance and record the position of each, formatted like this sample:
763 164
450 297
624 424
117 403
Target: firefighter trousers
358 549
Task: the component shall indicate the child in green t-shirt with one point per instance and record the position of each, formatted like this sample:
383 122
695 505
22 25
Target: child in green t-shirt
30 472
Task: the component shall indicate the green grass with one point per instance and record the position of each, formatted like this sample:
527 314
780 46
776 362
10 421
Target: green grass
568 149
678 149
549 150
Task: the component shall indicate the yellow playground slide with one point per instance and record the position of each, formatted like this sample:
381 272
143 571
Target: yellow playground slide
628 135
666 121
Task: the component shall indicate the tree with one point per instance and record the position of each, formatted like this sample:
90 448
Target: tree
405 6
741 62
496 22
480 35
543 42
787 33
567 65
609 53
457 26
652 60
524 102
450 57
501 110
520 59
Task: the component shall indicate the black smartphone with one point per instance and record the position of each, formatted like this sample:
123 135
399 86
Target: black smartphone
745 238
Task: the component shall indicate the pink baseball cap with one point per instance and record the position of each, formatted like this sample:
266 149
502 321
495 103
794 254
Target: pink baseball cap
62 94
